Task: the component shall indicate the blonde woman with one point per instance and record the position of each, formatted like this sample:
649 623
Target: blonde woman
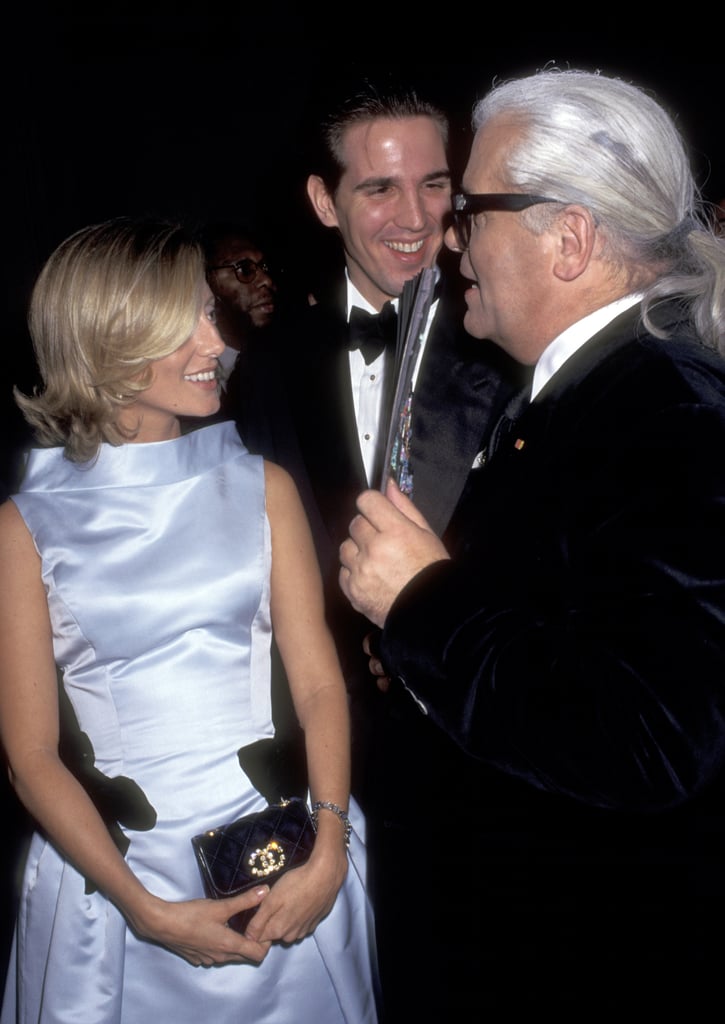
150 567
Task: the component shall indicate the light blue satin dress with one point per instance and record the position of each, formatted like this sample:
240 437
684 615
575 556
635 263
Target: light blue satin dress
156 560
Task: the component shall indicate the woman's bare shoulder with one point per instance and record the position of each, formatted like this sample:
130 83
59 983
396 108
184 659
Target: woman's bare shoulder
14 534
9 514
278 483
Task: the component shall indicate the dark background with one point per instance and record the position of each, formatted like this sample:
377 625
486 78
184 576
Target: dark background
203 113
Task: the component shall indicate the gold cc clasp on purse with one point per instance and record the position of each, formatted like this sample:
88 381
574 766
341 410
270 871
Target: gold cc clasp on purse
271 858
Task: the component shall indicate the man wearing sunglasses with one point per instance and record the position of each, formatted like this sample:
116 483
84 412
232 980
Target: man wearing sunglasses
245 289
568 634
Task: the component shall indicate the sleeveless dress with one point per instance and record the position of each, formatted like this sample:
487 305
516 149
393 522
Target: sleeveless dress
156 560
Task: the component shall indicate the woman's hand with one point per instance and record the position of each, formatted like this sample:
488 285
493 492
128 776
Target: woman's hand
301 898
197 931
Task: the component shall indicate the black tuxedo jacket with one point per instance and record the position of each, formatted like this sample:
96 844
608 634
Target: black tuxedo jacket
571 662
297 410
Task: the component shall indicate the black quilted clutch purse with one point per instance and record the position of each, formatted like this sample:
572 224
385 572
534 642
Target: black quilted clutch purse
258 848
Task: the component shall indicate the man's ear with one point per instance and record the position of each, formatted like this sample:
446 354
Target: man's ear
322 202
575 234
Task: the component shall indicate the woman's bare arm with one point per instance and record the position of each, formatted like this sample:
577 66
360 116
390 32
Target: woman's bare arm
320 699
29 730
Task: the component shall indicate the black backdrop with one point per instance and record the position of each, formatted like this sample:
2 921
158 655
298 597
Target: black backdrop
203 113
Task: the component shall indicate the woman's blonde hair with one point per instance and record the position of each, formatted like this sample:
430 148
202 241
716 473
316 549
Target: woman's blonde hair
109 301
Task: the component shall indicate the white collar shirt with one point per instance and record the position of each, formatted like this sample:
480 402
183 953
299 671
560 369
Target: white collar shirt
570 340
368 385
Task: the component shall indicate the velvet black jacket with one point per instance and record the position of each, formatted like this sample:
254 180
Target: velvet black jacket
570 658
577 638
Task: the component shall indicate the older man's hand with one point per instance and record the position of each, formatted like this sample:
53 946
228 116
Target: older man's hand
389 543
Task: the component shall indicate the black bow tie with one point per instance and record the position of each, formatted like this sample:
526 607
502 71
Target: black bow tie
372 332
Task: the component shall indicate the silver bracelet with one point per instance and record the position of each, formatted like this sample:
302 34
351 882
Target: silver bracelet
325 805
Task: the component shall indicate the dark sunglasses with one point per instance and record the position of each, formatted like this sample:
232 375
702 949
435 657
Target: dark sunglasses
246 269
466 205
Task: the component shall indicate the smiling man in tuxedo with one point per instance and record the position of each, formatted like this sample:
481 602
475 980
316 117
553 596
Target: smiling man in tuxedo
380 180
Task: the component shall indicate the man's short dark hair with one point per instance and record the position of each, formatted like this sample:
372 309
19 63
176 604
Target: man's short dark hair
369 102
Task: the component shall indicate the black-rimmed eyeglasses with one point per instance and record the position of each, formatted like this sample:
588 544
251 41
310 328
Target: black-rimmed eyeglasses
246 269
466 205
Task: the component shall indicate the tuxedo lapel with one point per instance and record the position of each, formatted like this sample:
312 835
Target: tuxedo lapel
321 393
462 386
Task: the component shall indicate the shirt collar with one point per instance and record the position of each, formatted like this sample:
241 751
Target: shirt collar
354 298
570 340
